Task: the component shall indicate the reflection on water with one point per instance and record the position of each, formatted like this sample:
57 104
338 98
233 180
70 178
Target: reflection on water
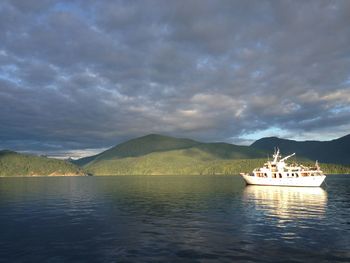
171 218
284 214
288 203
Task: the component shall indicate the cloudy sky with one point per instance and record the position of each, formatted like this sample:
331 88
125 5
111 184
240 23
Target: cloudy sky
79 76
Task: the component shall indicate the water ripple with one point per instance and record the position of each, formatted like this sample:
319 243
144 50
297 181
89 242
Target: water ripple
179 219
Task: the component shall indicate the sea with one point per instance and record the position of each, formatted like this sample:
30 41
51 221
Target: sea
172 219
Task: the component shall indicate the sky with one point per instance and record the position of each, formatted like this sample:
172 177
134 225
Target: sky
77 77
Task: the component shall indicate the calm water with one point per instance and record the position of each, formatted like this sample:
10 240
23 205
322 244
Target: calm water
172 219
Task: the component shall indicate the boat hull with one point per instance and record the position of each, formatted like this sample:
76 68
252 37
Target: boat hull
308 181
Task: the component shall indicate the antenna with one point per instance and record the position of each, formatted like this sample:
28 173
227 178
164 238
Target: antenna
285 158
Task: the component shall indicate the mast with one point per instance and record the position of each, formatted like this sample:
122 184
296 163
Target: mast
317 165
276 155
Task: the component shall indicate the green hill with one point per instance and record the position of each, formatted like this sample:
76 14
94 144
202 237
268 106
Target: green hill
16 164
140 146
158 143
336 151
157 154
190 161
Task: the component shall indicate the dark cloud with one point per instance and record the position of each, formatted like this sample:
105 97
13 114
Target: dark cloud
89 74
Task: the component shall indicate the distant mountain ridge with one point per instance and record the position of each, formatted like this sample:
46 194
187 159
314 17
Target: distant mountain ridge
156 154
18 164
155 143
335 151
140 146
159 154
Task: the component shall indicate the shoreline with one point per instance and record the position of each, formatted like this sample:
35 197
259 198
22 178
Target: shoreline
112 175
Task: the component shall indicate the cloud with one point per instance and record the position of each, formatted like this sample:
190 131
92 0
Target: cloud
86 74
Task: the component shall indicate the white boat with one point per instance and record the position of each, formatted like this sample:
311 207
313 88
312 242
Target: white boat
278 172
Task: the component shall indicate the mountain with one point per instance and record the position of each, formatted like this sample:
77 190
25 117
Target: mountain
140 146
159 143
17 164
335 151
190 161
158 154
